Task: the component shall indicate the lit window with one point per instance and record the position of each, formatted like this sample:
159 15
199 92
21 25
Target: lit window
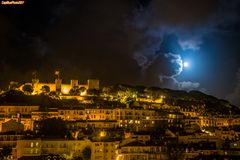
65 90
31 144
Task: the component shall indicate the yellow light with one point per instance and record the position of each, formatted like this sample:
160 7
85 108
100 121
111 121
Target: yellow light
119 157
83 93
159 100
65 90
103 134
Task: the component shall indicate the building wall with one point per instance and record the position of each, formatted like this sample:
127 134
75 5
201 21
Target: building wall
141 153
59 86
213 121
226 134
135 119
14 110
65 88
26 122
37 87
93 84
104 150
38 115
93 124
12 125
66 148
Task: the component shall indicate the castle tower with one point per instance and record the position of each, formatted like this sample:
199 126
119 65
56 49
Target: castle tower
58 82
74 83
93 84
35 81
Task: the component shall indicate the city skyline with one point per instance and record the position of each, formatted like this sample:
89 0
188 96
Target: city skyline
119 79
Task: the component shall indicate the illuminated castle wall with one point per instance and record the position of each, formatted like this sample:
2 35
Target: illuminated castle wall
64 88
60 87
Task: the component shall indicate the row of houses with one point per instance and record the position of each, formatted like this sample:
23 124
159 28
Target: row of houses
132 146
68 149
137 146
118 116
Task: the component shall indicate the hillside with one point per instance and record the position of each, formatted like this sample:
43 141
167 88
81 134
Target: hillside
193 100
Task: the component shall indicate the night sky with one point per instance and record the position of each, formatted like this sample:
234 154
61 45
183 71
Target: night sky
140 42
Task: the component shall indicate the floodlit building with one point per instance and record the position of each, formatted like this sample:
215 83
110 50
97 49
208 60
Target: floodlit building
12 125
60 87
141 151
207 121
63 88
225 133
66 148
105 150
19 114
13 110
137 119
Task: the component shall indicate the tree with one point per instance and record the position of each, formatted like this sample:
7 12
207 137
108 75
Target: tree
14 85
127 96
106 91
87 153
74 91
53 94
5 152
54 128
45 89
13 93
82 89
27 88
93 92
78 158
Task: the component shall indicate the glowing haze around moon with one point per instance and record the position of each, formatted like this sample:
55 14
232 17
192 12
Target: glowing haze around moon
185 64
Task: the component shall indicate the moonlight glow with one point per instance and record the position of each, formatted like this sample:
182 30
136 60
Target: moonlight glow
185 64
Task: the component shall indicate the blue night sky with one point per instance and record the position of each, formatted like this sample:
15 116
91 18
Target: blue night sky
125 41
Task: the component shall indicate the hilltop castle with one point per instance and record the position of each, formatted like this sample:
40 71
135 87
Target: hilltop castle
60 87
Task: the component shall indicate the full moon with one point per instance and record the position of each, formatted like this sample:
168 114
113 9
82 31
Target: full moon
185 64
